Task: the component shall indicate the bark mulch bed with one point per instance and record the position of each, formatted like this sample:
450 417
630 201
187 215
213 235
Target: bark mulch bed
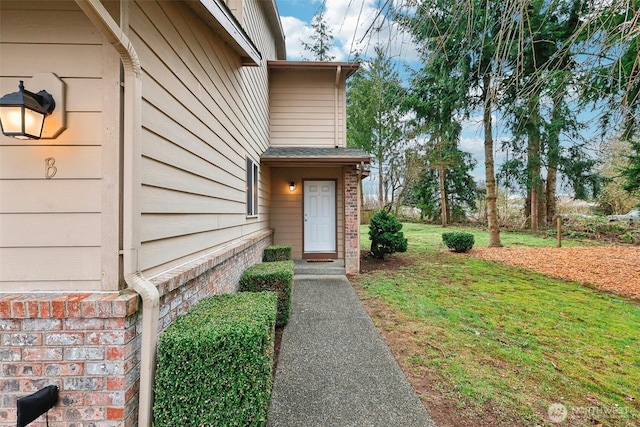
614 269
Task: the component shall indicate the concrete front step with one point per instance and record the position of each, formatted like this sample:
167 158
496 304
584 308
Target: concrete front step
331 268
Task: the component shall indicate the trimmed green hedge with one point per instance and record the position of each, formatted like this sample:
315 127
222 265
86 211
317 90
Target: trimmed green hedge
271 276
214 363
458 241
276 253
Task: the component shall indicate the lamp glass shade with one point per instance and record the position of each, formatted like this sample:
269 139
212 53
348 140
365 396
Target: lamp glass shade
20 122
292 186
22 113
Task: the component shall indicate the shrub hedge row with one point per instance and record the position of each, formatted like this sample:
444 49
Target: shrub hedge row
276 253
271 276
458 241
214 363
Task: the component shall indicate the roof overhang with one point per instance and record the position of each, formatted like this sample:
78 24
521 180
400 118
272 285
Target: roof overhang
217 16
347 68
290 156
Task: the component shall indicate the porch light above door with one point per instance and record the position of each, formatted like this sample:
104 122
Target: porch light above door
292 186
22 113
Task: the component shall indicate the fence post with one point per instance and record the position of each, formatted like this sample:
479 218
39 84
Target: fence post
559 231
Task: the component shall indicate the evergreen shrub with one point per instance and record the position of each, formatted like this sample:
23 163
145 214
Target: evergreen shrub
276 253
271 276
458 241
385 235
214 363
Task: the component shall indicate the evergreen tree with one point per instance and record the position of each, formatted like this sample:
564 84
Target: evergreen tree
631 172
321 40
374 118
468 35
611 82
460 190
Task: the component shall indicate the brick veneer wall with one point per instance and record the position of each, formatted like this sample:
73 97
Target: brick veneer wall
85 343
217 273
88 344
351 221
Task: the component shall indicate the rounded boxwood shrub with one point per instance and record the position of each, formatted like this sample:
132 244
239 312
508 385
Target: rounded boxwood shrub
458 241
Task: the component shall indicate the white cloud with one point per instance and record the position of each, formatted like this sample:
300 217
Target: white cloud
294 30
356 27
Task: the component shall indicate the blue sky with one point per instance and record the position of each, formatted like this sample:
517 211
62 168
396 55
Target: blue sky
348 21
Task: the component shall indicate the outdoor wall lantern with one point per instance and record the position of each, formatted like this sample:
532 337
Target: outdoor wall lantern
22 113
292 186
28 115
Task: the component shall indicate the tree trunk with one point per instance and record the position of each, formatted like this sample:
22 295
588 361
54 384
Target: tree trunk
533 160
550 194
490 176
443 194
380 183
553 158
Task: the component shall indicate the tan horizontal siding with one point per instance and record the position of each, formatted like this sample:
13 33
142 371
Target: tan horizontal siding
303 108
203 115
49 230
197 158
28 162
161 200
312 123
60 233
66 60
255 80
50 264
304 101
301 111
47 196
163 226
209 132
162 252
166 176
27 27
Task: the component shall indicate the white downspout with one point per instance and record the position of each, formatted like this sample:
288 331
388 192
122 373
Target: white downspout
103 21
336 115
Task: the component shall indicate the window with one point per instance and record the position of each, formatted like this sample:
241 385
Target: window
252 188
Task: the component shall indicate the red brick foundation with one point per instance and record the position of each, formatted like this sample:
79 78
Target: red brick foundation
88 344
84 343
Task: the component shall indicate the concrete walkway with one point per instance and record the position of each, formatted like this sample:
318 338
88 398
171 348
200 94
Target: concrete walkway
334 368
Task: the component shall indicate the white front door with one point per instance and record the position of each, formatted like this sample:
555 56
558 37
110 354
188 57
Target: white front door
320 216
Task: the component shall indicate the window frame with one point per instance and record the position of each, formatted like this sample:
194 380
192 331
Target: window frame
252 187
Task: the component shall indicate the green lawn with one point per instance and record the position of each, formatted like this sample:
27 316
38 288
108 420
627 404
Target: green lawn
504 342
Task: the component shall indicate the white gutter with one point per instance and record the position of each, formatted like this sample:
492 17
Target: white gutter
103 21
